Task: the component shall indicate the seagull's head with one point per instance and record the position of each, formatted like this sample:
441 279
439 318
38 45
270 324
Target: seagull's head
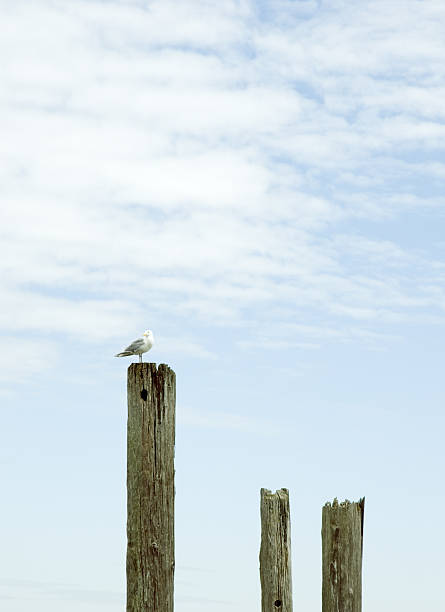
147 333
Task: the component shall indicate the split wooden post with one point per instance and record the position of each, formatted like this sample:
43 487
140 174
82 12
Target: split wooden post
150 487
275 552
342 549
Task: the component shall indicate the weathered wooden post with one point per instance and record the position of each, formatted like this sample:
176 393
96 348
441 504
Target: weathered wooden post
342 548
150 487
275 552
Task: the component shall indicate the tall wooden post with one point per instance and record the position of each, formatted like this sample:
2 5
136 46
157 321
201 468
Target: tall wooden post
275 552
150 487
342 548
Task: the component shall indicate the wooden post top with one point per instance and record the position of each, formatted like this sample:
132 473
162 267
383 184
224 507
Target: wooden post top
149 365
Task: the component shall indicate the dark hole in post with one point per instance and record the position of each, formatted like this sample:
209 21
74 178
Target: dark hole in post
144 394
278 603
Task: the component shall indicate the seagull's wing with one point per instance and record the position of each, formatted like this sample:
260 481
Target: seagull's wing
135 346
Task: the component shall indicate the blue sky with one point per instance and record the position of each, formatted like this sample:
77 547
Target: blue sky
260 183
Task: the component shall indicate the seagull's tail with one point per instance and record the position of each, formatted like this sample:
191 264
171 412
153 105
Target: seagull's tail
124 354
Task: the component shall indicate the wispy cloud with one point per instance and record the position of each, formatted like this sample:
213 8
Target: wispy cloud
205 161
22 357
33 590
226 420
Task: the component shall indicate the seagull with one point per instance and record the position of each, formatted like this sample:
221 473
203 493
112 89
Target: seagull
139 346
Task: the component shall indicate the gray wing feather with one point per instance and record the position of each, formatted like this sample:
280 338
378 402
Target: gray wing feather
135 346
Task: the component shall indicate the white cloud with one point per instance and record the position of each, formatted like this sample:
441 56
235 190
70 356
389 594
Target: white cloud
186 346
199 161
225 420
22 357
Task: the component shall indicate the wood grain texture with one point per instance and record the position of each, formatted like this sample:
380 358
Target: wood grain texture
342 550
275 552
150 487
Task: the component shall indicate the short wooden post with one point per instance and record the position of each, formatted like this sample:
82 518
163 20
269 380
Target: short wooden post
275 552
150 487
342 548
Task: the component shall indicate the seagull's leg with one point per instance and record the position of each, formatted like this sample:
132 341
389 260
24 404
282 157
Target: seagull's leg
140 357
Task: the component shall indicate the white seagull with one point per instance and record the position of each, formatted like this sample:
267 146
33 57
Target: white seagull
139 346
